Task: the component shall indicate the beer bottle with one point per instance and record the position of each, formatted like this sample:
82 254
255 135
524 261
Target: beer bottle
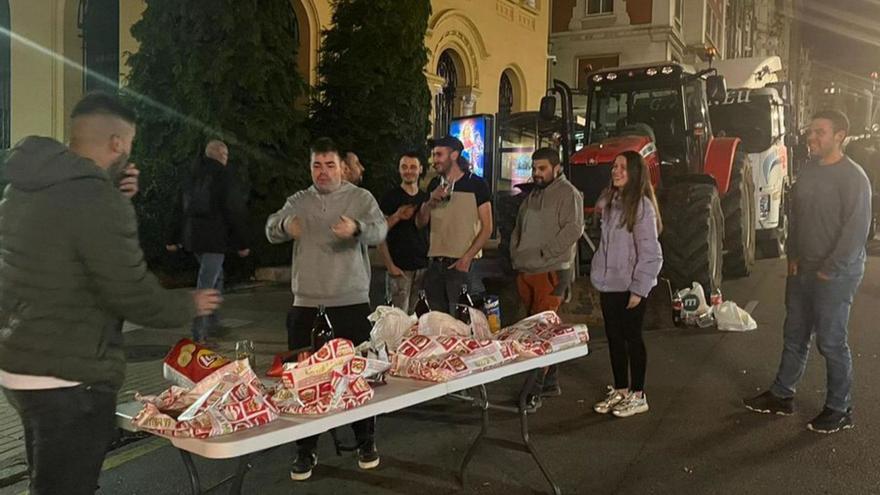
422 305
464 302
677 307
322 330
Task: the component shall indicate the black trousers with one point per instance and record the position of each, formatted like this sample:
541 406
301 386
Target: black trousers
349 322
623 327
67 432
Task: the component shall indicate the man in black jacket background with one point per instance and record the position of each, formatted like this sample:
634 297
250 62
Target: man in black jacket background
211 219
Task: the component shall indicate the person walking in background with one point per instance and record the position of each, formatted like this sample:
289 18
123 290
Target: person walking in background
624 270
549 224
405 251
331 224
71 270
460 216
352 170
831 216
210 219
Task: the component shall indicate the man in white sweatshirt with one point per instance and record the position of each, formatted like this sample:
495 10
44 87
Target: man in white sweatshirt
331 224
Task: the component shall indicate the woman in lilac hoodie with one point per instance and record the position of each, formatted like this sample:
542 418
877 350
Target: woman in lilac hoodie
623 270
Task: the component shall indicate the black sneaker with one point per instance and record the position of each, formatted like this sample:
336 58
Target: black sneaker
831 421
368 456
767 403
303 465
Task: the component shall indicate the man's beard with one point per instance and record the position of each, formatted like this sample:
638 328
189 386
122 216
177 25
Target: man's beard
116 170
540 182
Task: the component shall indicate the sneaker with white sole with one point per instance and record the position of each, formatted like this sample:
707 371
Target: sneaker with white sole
303 465
605 406
631 405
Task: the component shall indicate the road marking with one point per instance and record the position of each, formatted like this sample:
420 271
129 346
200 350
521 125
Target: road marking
144 448
750 306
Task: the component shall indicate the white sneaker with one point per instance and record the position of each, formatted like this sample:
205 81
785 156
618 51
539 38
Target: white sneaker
631 405
605 406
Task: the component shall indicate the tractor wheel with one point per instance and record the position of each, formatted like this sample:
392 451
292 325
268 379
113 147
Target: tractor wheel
739 219
692 237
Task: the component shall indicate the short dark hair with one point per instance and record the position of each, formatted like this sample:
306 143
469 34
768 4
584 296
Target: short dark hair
324 145
549 154
101 103
839 121
411 154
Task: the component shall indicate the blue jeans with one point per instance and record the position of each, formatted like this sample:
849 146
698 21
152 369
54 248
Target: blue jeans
210 277
820 307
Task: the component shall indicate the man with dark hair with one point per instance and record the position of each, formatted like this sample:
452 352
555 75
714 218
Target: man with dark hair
460 216
405 252
331 224
352 170
831 212
71 270
210 218
542 247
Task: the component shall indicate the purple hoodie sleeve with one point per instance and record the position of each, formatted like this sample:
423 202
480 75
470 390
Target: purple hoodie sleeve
649 256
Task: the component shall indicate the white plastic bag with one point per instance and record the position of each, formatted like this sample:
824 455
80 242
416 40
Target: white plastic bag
390 327
693 302
730 317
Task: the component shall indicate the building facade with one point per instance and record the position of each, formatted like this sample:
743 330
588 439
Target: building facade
593 34
485 56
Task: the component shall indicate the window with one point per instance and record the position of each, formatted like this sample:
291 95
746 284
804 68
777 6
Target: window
532 4
5 77
600 7
444 103
99 22
505 96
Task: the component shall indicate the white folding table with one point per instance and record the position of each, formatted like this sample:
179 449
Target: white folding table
397 394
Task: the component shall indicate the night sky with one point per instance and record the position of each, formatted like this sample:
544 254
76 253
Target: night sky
843 33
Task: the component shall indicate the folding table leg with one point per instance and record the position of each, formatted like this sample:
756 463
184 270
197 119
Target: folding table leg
484 405
524 427
244 465
195 486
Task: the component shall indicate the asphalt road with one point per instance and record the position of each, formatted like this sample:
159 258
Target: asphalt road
696 438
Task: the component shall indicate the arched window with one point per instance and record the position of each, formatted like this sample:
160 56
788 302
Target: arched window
5 76
99 22
505 95
444 103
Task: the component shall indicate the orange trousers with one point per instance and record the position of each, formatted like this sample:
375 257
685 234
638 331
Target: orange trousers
536 290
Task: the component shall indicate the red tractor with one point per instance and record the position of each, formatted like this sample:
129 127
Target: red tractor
704 182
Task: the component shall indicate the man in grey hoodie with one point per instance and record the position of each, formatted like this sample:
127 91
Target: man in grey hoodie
542 246
331 224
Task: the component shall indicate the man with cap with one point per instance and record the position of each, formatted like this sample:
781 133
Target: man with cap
460 217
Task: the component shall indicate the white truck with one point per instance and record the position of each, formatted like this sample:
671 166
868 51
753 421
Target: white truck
758 110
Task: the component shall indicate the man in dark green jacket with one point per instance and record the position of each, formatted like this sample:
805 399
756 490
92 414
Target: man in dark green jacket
71 270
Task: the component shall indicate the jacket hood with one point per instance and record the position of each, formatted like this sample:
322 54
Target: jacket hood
40 162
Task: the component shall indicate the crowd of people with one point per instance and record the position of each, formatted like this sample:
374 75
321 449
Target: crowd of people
73 273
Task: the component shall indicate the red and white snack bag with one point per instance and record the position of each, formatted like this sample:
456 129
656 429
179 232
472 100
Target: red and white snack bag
542 334
331 379
436 324
229 400
440 359
188 363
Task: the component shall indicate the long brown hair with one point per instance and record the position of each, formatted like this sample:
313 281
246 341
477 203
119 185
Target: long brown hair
638 185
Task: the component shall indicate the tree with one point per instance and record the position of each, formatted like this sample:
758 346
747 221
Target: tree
221 69
372 97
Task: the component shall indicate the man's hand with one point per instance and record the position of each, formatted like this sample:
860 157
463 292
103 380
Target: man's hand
463 264
345 228
244 253
634 300
438 195
128 186
405 212
394 271
293 227
172 248
823 276
206 301
792 268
